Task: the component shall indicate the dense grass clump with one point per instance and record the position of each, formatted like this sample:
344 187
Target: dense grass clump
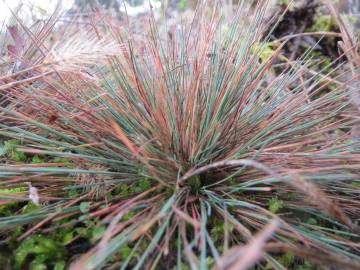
180 151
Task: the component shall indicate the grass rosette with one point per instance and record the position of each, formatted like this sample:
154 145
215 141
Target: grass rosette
180 147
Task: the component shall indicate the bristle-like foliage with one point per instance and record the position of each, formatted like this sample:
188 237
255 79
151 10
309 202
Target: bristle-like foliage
81 50
180 135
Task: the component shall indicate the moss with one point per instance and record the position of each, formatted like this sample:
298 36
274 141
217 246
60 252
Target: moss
16 232
73 193
30 207
307 266
287 259
2 150
67 236
69 163
84 207
122 189
10 145
84 232
324 23
312 221
217 232
38 263
275 205
11 151
36 160
209 262
169 192
125 251
40 251
217 229
43 249
181 5
12 190
355 184
18 156
128 215
324 62
59 265
284 2
9 209
144 184
4 260
98 232
265 50
195 184
290 195
232 181
142 247
60 160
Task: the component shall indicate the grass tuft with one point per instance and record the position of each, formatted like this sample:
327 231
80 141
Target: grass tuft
178 151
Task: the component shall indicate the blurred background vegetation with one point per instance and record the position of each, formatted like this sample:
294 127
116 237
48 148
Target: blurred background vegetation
303 16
